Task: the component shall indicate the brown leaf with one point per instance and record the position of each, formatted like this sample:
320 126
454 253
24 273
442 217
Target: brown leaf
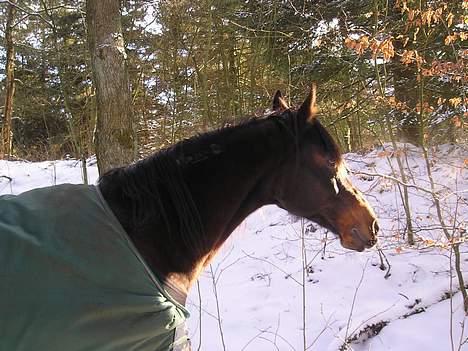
450 19
457 121
455 101
450 39
382 154
350 43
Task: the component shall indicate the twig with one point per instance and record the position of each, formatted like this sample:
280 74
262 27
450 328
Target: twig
452 344
382 265
356 331
327 326
395 180
325 245
277 328
304 271
254 337
266 331
289 275
258 30
6 177
29 12
462 333
354 302
199 316
463 343
215 290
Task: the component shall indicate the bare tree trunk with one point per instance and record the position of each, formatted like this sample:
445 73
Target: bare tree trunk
7 139
115 132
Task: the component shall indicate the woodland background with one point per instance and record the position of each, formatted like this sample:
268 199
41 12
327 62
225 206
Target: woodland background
386 70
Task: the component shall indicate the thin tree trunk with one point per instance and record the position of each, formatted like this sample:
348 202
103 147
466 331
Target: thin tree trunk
436 201
76 143
404 195
7 140
115 132
202 77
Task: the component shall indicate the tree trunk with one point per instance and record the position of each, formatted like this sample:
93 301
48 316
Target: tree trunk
115 132
10 84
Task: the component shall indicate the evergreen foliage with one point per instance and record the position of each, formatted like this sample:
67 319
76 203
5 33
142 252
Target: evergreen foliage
195 66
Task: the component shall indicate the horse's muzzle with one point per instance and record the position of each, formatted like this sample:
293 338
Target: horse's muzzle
363 240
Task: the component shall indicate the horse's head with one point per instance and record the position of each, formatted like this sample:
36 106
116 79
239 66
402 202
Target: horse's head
313 182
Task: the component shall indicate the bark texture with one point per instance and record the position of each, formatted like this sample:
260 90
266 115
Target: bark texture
115 133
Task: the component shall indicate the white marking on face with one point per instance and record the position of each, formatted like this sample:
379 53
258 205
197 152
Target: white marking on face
342 172
341 177
335 185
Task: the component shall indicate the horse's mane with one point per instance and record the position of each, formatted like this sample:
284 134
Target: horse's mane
330 144
156 189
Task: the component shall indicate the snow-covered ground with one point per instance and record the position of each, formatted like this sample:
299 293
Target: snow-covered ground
256 295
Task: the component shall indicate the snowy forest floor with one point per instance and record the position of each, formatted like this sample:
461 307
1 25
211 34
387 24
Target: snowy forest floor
277 274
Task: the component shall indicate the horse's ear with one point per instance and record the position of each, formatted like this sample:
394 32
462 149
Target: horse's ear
308 110
278 102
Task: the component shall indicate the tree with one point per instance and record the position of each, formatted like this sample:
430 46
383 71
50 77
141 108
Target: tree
10 82
115 134
193 66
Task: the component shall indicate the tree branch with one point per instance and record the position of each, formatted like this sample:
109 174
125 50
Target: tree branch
27 11
395 180
7 177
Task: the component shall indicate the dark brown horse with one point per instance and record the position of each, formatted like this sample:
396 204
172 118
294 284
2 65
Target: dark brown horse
181 204
83 269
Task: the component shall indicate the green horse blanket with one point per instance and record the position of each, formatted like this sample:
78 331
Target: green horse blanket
70 278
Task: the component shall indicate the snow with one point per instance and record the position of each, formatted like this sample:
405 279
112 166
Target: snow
260 301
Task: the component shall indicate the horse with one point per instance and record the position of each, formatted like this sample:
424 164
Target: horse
178 206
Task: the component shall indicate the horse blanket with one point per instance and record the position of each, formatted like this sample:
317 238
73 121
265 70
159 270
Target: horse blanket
70 278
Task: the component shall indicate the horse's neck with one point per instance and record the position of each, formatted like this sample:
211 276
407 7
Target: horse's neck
225 188
228 187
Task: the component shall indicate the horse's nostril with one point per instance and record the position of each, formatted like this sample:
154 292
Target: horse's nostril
364 239
358 235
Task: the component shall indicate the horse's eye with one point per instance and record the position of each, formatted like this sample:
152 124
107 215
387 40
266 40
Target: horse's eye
331 163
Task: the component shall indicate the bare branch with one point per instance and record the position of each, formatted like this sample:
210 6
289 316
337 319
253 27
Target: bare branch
27 11
258 30
396 180
288 275
7 177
